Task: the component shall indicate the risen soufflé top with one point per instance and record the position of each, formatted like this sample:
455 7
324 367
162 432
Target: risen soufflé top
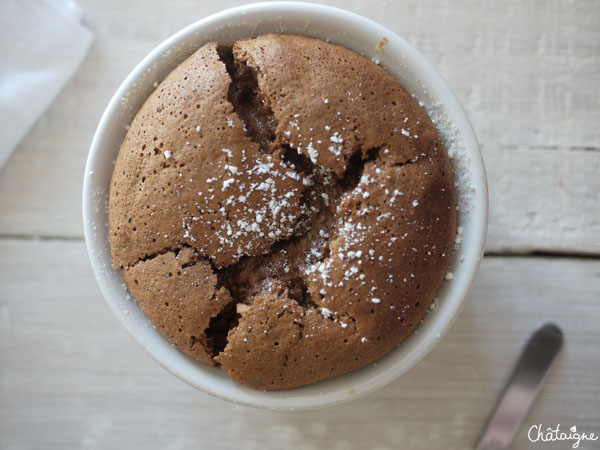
283 208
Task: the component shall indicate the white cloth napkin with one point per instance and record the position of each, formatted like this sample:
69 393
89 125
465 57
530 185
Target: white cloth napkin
42 43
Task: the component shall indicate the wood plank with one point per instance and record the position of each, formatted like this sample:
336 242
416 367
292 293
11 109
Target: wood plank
70 377
543 200
540 200
527 74
543 94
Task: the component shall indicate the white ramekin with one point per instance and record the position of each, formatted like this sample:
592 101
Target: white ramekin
356 33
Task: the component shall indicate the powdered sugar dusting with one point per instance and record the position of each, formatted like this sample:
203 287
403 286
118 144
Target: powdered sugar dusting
457 154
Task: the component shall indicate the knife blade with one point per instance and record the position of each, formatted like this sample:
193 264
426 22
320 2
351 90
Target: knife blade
522 388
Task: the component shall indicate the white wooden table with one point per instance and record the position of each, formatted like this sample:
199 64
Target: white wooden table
528 74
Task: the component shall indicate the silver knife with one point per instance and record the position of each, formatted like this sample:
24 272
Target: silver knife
522 388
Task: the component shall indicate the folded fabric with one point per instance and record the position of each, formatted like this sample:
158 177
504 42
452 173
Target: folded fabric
42 43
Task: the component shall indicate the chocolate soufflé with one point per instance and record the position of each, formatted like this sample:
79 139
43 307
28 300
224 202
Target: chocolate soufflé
283 208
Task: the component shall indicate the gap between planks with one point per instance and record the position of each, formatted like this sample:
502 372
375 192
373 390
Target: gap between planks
568 148
36 237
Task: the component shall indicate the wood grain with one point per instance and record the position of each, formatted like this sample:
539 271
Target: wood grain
543 200
71 378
